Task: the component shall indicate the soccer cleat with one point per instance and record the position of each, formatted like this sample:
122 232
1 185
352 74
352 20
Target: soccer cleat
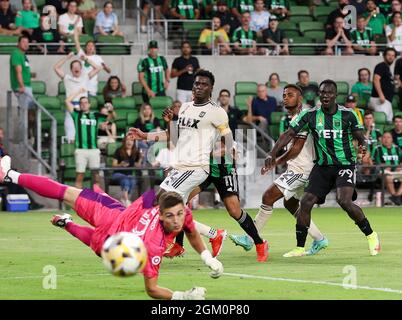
374 243
298 252
262 251
316 246
61 220
5 166
243 241
175 250
217 242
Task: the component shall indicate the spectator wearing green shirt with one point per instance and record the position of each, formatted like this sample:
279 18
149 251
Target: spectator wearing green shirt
396 7
279 8
374 19
245 39
362 88
362 38
27 19
385 6
241 6
216 38
184 9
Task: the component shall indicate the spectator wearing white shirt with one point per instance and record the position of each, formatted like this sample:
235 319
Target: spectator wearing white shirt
106 21
70 20
73 83
90 52
394 32
275 90
259 17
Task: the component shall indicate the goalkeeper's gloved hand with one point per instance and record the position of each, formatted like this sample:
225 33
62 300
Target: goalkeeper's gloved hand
214 264
195 293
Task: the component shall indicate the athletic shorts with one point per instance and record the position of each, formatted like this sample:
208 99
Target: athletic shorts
100 211
226 185
324 178
183 182
86 158
292 184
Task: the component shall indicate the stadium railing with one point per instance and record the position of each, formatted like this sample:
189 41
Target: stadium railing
140 13
18 132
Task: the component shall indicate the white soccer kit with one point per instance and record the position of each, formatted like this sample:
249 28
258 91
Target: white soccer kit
199 126
292 182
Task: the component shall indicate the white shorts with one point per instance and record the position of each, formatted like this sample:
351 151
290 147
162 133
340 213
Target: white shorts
183 182
86 158
291 184
385 107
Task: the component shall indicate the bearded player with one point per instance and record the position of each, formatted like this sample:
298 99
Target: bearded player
333 128
157 226
290 185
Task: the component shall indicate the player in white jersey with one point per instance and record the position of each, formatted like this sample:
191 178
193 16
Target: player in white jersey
201 122
290 185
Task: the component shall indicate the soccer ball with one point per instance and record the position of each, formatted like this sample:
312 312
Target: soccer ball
124 254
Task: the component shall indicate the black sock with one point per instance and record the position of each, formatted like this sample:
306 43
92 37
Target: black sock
301 235
247 224
180 238
365 227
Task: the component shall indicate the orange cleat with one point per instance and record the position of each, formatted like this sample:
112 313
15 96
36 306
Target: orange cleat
175 250
262 251
217 242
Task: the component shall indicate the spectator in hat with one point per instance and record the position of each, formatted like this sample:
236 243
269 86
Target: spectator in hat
153 73
351 103
276 37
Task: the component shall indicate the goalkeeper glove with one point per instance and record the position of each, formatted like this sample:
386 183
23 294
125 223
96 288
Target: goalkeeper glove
195 293
214 264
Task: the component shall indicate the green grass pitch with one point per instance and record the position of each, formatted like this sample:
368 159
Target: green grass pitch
28 243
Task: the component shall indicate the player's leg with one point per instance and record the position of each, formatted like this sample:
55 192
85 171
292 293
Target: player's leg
82 233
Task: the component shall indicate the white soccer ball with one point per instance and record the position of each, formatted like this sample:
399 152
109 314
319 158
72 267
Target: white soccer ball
124 254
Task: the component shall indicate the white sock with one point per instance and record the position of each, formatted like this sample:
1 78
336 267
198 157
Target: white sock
205 230
217 197
262 217
314 232
14 176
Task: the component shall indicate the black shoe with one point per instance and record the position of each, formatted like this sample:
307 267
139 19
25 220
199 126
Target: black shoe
36 206
396 200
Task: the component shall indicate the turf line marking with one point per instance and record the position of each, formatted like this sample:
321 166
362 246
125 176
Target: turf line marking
345 286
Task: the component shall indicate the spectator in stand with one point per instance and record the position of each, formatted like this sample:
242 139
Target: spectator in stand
362 88
260 108
27 20
309 90
127 156
275 90
17 5
339 12
114 88
73 83
87 9
374 19
107 130
60 5
394 32
208 9
398 79
338 38
235 115
214 41
7 19
383 85
245 39
153 73
276 38
158 5
397 131
69 21
351 103
228 21
241 6
184 68
385 6
184 9
371 133
147 121
90 52
390 154
360 6
396 7
362 38
86 123
279 8
106 22
259 17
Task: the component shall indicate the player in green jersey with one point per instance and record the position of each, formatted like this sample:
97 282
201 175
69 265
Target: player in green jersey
333 128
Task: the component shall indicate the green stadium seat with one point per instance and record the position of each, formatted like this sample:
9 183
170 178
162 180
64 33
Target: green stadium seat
61 89
89 25
322 12
283 83
8 44
139 100
127 103
195 25
38 87
161 102
341 98
387 127
110 151
288 25
303 51
94 103
50 103
317 36
84 38
292 33
300 18
246 87
395 102
59 115
101 85
273 131
131 117
113 45
240 101
101 99
67 150
276 117
311 26
343 87
380 118
136 88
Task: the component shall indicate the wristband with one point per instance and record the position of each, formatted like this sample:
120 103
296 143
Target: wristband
206 255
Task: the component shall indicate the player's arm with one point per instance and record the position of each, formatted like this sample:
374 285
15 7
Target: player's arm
155 291
292 152
137 134
361 142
